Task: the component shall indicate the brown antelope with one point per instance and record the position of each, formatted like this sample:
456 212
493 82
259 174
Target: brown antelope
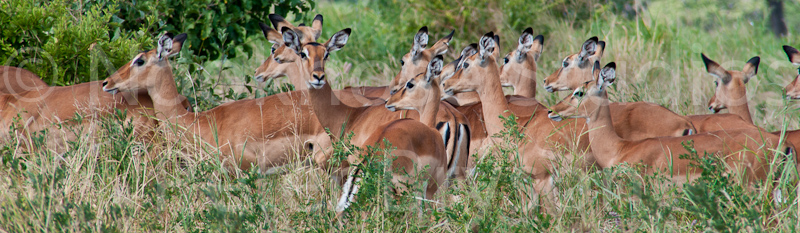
575 69
793 89
519 66
266 132
17 80
418 147
362 121
478 72
731 93
743 150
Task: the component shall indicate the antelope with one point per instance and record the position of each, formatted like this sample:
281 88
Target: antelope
793 89
731 93
418 146
575 69
478 72
18 80
362 121
743 150
264 132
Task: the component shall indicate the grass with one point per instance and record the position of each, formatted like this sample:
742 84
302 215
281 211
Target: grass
112 181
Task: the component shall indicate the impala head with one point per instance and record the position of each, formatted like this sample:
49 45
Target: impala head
147 67
416 61
474 68
793 89
589 97
730 84
576 68
520 62
314 55
454 67
423 87
282 60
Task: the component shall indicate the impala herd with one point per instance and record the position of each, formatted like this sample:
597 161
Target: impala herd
439 118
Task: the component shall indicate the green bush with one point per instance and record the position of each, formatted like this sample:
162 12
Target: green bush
67 42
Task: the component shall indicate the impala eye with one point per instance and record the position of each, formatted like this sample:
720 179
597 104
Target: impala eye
465 65
716 83
273 49
139 62
565 63
409 85
578 94
402 63
505 60
326 56
278 60
303 55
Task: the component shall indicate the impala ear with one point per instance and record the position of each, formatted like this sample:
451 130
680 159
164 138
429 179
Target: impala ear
441 46
601 47
291 39
434 68
177 44
793 54
715 69
420 42
587 49
278 22
316 26
338 40
468 51
537 47
486 46
525 43
609 73
272 35
496 52
751 68
164 46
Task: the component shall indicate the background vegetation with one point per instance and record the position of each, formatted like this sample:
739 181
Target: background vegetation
111 181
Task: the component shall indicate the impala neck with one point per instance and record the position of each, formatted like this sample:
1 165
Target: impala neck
526 84
165 96
295 78
493 99
330 112
428 112
742 110
605 142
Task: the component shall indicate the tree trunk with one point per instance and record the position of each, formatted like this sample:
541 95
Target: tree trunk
776 22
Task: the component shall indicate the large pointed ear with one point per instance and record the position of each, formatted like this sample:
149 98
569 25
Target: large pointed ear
434 68
441 46
793 54
751 68
588 49
420 42
278 22
164 46
316 26
272 35
338 40
486 46
605 76
715 69
525 41
537 47
291 39
601 47
467 52
177 44
496 52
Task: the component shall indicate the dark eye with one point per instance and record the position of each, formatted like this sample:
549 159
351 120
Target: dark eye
716 83
409 85
303 55
402 63
578 94
565 63
278 60
326 56
139 62
465 65
505 60
273 49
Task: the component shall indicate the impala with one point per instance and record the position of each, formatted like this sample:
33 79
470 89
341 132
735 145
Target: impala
575 69
264 132
362 121
544 137
631 121
731 93
793 89
747 151
418 147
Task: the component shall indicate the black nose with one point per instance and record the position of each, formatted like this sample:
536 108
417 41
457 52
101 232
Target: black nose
549 111
105 83
318 77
